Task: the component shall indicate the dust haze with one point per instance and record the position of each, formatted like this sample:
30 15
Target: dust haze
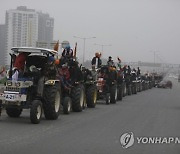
133 28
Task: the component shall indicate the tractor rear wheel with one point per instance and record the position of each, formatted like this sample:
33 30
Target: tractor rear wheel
78 96
52 103
91 96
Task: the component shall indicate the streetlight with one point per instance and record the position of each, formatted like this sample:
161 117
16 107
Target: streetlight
154 52
163 62
102 45
84 38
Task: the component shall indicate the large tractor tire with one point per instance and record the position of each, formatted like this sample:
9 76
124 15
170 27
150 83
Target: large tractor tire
146 86
143 86
135 88
124 90
13 112
129 90
140 88
67 105
91 95
108 98
36 112
120 93
113 94
132 89
52 103
150 85
78 96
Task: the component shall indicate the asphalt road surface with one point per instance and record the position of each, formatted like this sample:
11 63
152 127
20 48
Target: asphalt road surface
152 113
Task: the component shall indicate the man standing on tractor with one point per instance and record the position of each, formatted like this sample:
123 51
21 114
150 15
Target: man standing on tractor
134 74
96 61
110 61
121 70
138 71
119 63
66 62
129 70
67 52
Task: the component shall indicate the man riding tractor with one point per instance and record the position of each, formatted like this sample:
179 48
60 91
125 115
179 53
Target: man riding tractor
76 89
96 61
107 82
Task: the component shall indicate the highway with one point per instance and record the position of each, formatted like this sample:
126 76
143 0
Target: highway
151 113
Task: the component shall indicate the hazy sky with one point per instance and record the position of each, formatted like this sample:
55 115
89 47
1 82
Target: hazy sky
132 27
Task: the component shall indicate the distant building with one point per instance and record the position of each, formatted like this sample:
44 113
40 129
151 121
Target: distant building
26 27
49 45
22 28
45 28
2 44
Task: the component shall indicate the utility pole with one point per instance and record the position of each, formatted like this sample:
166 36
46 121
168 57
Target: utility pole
84 46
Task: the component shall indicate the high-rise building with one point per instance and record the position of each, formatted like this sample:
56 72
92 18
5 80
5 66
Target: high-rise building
45 28
2 43
22 28
26 27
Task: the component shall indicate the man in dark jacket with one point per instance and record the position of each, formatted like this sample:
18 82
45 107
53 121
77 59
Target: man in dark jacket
138 71
67 55
96 61
110 61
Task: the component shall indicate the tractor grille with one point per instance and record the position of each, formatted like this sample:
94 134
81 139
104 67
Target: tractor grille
14 89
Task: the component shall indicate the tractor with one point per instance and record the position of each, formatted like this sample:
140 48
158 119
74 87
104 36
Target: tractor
36 87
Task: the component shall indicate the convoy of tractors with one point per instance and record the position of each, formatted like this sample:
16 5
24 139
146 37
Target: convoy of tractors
46 85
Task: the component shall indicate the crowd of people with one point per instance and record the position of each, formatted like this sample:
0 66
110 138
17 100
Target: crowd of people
97 62
67 61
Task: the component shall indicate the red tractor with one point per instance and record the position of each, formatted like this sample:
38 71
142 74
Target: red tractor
107 84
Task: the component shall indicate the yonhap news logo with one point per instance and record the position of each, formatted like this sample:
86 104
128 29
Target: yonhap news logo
128 139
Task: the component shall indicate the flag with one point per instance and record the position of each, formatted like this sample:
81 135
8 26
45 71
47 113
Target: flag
56 46
119 59
100 54
2 70
75 50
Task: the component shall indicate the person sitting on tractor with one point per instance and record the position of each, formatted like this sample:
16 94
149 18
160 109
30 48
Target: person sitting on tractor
110 61
67 55
19 64
67 52
49 70
96 61
64 76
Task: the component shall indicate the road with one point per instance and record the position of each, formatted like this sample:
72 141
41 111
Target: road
152 113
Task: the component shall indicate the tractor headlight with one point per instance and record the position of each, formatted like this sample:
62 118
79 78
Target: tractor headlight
33 68
50 82
9 83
